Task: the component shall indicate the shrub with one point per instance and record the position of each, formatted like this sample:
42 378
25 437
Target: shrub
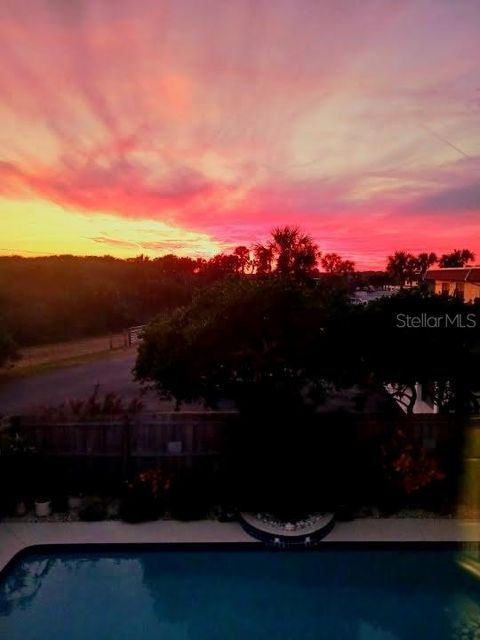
408 465
144 498
96 406
93 511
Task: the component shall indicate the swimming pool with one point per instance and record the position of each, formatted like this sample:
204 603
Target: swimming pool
222 594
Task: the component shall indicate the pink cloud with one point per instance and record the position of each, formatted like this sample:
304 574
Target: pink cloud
355 120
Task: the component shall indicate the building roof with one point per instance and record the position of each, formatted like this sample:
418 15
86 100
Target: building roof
458 274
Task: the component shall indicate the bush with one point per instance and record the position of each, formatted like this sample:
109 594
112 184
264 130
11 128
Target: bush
93 511
144 498
407 464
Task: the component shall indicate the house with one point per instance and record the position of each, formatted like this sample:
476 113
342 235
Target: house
461 281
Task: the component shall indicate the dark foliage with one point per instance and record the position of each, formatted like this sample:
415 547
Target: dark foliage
277 346
65 297
253 341
93 511
56 298
145 497
457 258
414 338
139 505
190 495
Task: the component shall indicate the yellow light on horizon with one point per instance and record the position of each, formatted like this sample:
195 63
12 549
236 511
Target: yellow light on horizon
40 228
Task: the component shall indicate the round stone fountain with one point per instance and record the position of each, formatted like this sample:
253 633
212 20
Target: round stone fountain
271 530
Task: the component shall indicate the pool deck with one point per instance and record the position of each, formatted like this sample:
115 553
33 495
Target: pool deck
14 536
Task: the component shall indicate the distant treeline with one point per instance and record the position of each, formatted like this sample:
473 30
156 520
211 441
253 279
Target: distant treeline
57 298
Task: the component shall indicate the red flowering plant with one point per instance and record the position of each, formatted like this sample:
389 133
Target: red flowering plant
408 465
157 480
145 496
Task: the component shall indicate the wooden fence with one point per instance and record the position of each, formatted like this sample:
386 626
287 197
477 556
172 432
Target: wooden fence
189 434
183 436
434 431
116 449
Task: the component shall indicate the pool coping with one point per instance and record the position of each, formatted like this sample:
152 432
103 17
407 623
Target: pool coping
17 539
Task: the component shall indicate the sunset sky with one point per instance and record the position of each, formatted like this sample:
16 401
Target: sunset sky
191 126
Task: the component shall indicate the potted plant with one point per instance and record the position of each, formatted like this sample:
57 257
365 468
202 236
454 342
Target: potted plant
75 500
43 506
20 508
75 493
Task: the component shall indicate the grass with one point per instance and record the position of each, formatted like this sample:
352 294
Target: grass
40 359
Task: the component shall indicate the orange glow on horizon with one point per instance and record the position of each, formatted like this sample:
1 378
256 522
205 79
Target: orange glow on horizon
43 228
190 128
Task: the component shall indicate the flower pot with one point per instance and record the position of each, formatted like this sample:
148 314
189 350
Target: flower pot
20 509
43 508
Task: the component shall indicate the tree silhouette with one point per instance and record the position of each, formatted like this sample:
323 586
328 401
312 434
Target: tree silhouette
423 262
290 253
244 339
444 357
262 259
243 258
402 267
221 265
333 263
457 258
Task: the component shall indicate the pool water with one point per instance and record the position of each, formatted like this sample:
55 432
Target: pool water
192 594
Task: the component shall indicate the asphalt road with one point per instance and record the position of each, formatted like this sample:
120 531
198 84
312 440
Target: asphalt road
51 388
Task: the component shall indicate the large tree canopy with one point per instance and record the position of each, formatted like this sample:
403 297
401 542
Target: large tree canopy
280 342
416 337
244 340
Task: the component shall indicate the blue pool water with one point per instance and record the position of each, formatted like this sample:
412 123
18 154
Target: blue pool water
228 595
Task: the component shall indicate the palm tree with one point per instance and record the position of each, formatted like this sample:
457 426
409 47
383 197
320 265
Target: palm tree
457 258
402 266
424 262
243 255
294 252
262 259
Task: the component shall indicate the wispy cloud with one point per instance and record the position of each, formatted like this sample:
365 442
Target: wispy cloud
227 118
